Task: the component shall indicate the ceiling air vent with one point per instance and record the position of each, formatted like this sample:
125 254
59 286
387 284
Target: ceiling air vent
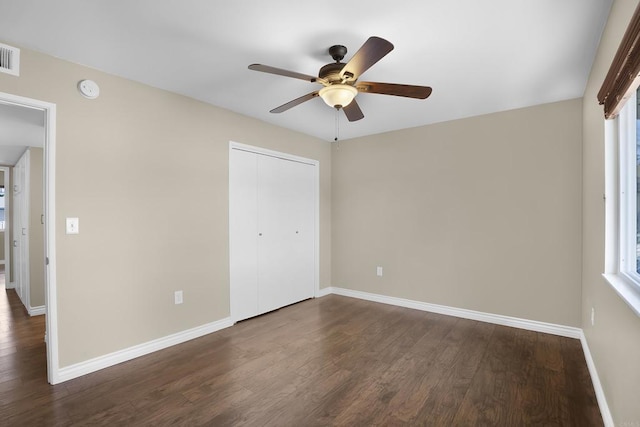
9 60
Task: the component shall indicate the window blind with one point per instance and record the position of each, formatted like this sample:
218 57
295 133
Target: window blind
623 77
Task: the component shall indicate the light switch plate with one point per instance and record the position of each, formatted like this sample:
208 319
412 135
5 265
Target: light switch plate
73 226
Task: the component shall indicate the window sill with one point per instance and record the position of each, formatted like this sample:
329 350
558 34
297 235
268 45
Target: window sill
627 290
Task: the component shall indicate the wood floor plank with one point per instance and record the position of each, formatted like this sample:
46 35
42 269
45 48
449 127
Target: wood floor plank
465 346
494 396
541 405
327 361
320 385
584 406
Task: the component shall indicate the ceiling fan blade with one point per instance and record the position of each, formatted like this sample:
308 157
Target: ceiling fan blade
372 51
353 111
297 101
281 72
409 91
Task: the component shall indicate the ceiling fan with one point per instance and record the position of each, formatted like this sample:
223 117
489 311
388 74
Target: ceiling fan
340 80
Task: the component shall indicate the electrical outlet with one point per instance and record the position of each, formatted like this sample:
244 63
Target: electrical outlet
593 316
177 296
379 271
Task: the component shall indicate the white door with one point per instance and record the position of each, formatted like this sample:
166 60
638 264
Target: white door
243 231
17 196
272 230
285 232
21 227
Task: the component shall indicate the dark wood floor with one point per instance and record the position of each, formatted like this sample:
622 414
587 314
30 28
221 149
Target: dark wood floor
328 361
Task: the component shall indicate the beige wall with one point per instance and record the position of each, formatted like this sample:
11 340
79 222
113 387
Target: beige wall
36 229
119 159
480 213
615 339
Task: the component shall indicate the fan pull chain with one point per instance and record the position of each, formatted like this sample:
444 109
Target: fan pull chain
337 124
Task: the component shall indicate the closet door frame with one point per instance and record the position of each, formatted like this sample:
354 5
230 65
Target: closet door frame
316 197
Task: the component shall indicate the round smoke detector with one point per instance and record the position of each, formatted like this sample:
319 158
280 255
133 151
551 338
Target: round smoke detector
89 89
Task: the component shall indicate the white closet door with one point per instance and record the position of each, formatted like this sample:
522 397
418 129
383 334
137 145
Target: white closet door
286 205
243 232
272 231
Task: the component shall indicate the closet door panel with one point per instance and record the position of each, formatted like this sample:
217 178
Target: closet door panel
285 232
243 232
302 231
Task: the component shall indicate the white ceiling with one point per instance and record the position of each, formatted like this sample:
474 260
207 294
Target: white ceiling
479 56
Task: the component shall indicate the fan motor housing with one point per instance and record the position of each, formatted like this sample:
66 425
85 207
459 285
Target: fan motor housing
331 72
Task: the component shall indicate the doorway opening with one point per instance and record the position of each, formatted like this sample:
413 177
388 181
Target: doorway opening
31 117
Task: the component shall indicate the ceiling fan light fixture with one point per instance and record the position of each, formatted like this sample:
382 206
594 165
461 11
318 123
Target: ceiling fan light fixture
338 95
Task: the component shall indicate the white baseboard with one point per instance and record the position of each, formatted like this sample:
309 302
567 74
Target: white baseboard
101 362
10 285
531 325
607 418
36 311
324 292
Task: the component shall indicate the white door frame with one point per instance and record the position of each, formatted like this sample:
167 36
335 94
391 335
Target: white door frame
258 150
7 225
50 291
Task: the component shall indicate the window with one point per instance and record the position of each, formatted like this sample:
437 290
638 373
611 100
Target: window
623 212
629 188
619 94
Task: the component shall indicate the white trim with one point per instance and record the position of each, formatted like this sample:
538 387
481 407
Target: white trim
51 290
607 418
51 301
10 285
316 214
498 319
101 362
324 292
272 153
626 289
627 172
36 311
611 215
